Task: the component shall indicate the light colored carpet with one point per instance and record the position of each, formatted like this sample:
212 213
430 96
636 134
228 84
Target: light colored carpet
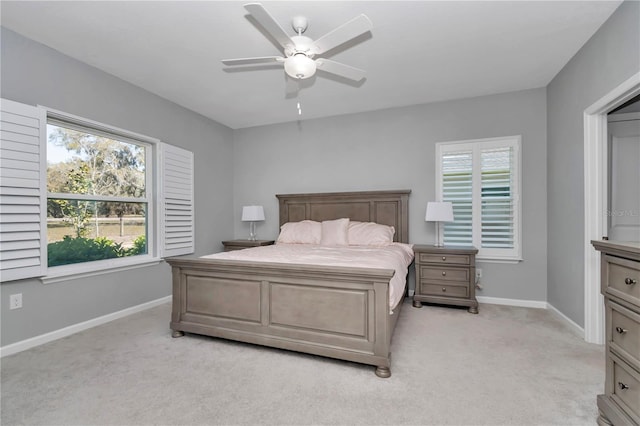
505 366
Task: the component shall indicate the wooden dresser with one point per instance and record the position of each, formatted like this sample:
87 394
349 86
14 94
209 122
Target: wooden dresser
445 275
620 285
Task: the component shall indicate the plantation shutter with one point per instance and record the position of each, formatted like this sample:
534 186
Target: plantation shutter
497 197
457 187
176 206
481 179
23 212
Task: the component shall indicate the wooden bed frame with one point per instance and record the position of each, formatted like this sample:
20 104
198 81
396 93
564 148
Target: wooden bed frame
337 312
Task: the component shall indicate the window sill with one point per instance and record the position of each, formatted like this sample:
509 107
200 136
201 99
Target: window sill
83 270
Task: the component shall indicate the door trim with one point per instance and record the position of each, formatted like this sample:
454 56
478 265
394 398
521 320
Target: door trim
595 200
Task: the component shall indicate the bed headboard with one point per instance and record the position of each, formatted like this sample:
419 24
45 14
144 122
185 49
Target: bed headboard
385 207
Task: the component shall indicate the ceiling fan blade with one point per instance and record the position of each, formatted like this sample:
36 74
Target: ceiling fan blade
249 61
267 21
339 69
345 32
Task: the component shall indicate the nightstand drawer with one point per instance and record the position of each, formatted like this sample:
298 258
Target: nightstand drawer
444 290
624 333
626 387
434 273
451 259
624 279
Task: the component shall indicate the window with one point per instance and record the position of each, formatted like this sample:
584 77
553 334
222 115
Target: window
78 197
481 178
97 205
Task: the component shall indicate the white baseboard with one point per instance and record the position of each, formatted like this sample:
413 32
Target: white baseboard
575 327
23 345
539 304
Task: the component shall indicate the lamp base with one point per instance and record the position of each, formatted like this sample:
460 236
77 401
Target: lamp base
438 242
252 231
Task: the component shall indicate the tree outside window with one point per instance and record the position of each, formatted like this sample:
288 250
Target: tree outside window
96 205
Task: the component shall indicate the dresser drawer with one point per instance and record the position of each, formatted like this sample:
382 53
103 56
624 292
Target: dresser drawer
444 290
450 259
624 332
623 279
433 273
625 387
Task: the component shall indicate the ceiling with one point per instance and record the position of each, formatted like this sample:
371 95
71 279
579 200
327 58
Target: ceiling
418 51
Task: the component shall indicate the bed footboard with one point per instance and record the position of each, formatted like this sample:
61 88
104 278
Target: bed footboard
335 312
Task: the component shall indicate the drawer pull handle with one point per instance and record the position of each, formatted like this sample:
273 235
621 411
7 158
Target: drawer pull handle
621 330
444 289
622 386
444 273
630 281
444 258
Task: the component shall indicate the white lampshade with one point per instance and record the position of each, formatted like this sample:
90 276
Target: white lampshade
252 213
300 66
439 211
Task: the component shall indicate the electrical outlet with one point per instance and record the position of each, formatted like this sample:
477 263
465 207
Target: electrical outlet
478 273
15 301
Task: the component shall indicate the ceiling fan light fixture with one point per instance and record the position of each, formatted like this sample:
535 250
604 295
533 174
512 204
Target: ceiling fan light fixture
300 66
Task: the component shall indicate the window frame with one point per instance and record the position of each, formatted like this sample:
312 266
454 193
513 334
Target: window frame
152 198
476 146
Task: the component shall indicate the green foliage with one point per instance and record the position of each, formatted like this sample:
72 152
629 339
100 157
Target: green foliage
79 249
108 167
139 246
76 213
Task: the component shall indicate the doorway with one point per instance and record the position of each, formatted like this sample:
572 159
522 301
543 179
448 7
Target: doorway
596 195
623 212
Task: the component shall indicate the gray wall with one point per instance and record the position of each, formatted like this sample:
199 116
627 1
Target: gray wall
394 149
390 149
35 74
609 58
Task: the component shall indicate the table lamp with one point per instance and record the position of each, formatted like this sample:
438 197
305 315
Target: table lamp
439 211
252 214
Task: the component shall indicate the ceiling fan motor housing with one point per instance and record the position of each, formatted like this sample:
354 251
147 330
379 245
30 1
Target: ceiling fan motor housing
301 44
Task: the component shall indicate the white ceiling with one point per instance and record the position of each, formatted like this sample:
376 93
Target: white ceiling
418 51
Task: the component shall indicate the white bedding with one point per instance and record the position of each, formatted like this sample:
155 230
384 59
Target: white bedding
396 256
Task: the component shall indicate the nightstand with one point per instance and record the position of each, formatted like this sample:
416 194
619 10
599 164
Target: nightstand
445 275
243 244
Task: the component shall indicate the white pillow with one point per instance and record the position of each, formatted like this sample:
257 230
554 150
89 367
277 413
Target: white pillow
334 232
370 234
304 232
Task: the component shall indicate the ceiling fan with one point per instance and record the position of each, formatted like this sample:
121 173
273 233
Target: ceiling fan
299 51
